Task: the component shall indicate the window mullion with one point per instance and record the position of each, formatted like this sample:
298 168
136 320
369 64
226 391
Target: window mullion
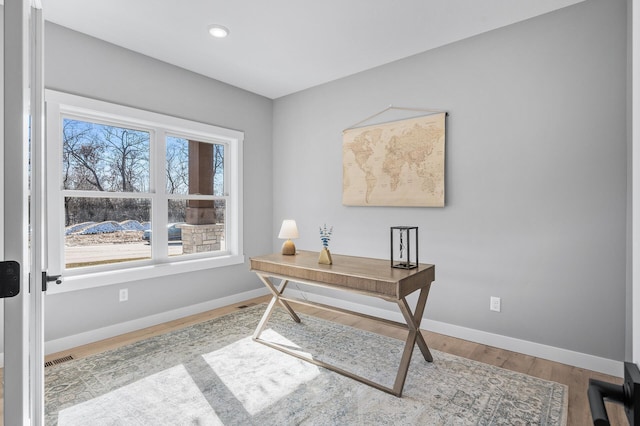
160 208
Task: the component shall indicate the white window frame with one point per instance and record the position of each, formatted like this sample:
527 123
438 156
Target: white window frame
61 105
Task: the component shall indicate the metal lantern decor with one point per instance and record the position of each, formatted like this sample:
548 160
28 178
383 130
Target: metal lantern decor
404 247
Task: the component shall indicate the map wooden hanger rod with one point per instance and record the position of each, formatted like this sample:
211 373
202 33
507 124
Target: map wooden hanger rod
429 110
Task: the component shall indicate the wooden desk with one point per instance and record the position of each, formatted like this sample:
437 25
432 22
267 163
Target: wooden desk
370 277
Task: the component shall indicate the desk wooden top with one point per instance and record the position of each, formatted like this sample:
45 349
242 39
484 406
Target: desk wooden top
374 277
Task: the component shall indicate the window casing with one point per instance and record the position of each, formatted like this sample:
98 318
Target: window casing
177 173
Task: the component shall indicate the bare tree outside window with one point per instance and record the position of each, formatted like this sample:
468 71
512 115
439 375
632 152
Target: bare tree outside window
99 157
81 157
104 158
178 167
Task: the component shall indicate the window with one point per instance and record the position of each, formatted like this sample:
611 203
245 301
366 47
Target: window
131 192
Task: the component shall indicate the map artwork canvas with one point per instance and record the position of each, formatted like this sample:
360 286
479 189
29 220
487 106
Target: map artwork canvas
400 163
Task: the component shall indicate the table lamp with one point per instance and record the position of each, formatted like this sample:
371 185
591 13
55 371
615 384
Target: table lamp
287 231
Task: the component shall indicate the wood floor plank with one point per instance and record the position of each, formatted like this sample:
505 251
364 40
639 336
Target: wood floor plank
575 378
541 368
577 381
459 347
489 355
518 362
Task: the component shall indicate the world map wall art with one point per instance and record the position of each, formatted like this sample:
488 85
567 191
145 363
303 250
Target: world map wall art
399 163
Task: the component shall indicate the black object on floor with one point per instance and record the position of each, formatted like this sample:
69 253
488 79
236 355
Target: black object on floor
627 394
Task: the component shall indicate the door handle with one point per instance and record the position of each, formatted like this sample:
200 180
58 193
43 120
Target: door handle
46 279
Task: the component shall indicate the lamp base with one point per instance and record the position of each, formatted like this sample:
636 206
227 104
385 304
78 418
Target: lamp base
288 248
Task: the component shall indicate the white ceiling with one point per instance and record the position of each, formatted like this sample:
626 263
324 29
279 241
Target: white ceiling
278 47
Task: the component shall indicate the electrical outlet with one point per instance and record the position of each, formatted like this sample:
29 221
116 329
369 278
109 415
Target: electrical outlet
494 304
124 294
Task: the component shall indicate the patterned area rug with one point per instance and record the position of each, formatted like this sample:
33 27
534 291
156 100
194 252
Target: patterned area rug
214 374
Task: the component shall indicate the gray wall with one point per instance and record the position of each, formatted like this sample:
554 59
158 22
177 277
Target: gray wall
536 175
82 65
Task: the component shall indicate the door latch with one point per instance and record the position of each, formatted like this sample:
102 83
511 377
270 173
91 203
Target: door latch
9 278
46 279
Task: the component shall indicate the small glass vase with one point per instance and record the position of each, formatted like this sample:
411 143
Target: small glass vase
325 257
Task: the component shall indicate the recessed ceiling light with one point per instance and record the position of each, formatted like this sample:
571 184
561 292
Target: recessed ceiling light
218 31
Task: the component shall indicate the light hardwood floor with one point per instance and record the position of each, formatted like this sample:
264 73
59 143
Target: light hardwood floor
575 378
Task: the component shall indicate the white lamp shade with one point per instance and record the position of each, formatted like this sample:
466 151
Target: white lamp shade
288 229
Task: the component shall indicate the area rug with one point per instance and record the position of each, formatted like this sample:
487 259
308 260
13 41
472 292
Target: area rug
213 373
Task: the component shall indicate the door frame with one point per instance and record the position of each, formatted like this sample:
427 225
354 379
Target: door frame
634 128
16 122
23 356
38 222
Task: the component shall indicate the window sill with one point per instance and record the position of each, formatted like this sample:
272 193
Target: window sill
99 279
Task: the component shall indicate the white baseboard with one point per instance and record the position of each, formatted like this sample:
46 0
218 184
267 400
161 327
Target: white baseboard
69 342
552 353
564 356
577 359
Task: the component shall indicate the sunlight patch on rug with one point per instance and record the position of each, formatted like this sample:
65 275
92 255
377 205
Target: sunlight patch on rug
168 397
259 376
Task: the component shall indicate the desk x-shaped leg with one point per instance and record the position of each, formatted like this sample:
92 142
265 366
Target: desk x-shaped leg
413 323
413 326
277 292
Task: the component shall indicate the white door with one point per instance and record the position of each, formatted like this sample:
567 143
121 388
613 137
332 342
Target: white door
23 236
